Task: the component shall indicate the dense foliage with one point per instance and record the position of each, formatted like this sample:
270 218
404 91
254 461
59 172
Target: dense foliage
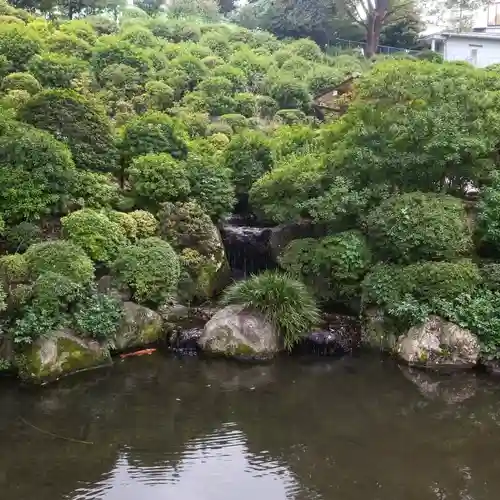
284 301
126 139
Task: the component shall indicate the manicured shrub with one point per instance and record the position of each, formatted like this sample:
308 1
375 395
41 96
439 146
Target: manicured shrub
152 132
409 293
246 104
249 157
186 225
150 268
98 316
69 45
101 238
125 221
488 217
32 184
157 178
285 193
146 223
419 226
160 96
306 48
333 266
13 272
266 106
284 301
20 236
290 116
93 190
61 257
77 121
18 43
21 81
56 70
290 94
235 121
80 28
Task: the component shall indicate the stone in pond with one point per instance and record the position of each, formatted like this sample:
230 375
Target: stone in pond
140 326
61 353
439 344
238 332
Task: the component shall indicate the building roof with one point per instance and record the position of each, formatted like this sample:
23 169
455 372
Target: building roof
476 35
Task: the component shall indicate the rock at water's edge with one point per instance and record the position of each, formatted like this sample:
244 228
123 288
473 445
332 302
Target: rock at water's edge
377 330
61 353
240 333
139 326
439 344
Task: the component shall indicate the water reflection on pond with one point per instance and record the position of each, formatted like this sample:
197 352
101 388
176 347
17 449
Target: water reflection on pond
161 428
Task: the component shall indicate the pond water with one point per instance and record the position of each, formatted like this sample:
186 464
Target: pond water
163 428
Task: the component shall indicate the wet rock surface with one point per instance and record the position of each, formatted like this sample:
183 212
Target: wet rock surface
340 335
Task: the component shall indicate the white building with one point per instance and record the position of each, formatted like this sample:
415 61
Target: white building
480 47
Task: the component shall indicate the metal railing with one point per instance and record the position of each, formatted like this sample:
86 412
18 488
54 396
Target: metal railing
341 45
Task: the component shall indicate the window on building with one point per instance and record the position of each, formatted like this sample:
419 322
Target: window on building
494 14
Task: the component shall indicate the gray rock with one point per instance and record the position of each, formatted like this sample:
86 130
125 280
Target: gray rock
186 340
61 353
240 333
439 344
106 285
139 326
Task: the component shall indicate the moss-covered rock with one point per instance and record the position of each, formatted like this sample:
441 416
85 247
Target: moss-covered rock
139 326
61 353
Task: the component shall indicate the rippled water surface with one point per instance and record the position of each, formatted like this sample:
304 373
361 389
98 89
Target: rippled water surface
160 428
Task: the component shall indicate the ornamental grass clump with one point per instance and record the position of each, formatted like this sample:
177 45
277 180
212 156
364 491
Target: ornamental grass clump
283 300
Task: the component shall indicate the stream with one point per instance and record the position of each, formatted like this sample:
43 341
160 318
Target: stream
161 427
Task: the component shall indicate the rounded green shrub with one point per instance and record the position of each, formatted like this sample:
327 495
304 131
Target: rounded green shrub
125 221
211 184
61 257
306 48
157 178
13 270
150 268
410 293
235 121
146 223
77 121
290 94
419 226
98 316
153 132
56 70
101 238
160 96
248 156
69 45
186 225
36 175
93 190
21 81
290 116
283 300
18 43
333 266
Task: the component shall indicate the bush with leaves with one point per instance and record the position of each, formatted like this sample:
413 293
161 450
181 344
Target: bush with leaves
283 300
146 223
101 238
93 190
248 156
36 175
56 70
21 81
60 257
98 316
79 122
153 132
419 226
157 178
150 268
409 293
333 266
69 45
290 93
18 43
20 236
211 184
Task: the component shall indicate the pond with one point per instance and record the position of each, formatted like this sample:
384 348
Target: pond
157 427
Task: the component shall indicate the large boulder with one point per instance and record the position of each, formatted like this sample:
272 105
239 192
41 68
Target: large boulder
60 353
204 266
238 332
139 326
439 344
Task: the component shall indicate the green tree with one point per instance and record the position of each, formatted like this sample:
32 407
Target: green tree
79 122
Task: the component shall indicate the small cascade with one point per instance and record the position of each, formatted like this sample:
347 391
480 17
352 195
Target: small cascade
247 247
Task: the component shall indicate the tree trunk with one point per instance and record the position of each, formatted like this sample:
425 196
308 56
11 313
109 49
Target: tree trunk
374 28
